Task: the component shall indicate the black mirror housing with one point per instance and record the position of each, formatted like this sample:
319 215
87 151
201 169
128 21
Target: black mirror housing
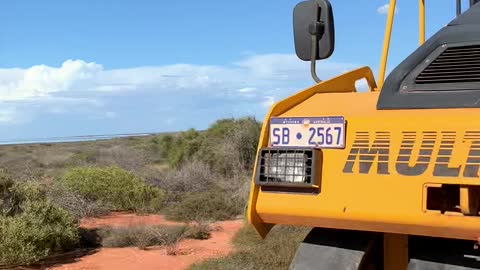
313 17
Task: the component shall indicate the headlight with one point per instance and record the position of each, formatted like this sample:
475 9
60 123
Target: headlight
294 167
286 167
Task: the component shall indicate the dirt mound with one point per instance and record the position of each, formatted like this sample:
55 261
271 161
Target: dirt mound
190 250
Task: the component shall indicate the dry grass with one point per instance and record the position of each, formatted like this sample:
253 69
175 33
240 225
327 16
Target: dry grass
193 176
125 157
144 236
253 253
203 207
76 204
200 231
36 160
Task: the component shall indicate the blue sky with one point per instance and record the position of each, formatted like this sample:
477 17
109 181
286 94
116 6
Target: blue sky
105 67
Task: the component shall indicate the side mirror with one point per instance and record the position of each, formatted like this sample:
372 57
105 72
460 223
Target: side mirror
314 30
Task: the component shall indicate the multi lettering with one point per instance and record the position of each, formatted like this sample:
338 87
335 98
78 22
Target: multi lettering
366 154
423 154
418 152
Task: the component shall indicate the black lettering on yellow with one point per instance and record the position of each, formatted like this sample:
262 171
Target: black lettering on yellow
424 154
444 155
473 160
366 153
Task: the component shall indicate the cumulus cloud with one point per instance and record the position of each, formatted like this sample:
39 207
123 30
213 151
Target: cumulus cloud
77 86
383 10
42 81
77 75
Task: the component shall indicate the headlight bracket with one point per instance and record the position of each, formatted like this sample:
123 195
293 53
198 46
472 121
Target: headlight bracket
289 167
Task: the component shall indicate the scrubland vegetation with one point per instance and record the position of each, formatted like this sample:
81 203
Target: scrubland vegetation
253 253
193 176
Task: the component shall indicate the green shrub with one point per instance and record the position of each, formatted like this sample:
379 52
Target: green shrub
274 252
9 201
83 158
14 194
40 230
204 206
227 146
179 148
112 185
29 191
230 146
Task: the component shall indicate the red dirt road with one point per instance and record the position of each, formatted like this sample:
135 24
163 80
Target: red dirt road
191 251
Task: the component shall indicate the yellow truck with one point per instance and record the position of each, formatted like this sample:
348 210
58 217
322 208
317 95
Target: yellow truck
388 178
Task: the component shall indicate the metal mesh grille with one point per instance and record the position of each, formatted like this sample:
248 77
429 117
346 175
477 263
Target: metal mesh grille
286 166
454 65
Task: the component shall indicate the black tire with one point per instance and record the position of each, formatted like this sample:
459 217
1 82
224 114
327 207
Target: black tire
329 249
428 253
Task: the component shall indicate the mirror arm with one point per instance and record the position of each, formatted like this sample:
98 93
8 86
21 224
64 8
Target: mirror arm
313 60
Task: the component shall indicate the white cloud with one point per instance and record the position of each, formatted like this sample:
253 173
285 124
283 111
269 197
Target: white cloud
247 90
77 75
268 101
383 10
79 86
42 81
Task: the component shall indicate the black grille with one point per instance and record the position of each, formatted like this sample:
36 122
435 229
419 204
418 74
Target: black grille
454 65
286 167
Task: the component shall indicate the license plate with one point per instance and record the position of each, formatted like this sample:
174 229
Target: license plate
318 132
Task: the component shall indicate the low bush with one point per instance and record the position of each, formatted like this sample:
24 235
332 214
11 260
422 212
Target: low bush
114 186
40 230
193 176
274 252
14 194
227 146
9 201
142 236
176 149
125 157
200 231
82 158
205 206
230 146
75 203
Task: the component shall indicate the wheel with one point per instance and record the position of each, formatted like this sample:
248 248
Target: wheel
428 253
329 249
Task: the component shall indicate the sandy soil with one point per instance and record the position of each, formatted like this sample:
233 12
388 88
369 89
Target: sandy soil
191 251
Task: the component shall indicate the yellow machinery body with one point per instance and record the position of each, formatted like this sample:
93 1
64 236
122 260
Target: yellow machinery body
369 200
384 180
401 173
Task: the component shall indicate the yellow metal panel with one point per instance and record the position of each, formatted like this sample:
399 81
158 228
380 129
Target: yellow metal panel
343 83
388 34
386 43
389 201
421 22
